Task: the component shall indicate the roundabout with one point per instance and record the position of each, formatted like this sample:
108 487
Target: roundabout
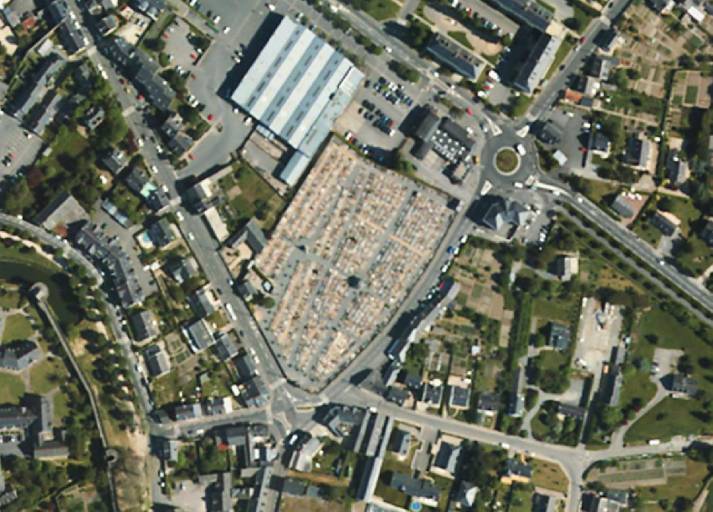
506 161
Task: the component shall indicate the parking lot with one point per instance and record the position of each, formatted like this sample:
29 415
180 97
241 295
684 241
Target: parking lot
178 45
16 149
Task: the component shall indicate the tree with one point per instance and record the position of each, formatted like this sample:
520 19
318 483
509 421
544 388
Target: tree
404 71
620 79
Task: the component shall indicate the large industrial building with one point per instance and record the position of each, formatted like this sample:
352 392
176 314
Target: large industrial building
296 87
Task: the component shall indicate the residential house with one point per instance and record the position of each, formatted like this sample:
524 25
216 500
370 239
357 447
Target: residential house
445 458
341 420
182 269
666 222
165 449
600 145
677 169
516 402
251 235
108 24
226 345
93 118
397 395
72 36
144 325
419 490
202 302
114 161
187 411
567 266
157 361
161 233
400 442
622 205
459 397
199 335
638 153
488 404
46 115
683 385
571 411
431 395
560 336
465 494
600 67
151 8
516 471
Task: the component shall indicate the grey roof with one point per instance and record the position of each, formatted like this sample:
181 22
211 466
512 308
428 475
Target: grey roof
114 161
201 303
115 213
19 354
638 151
414 487
489 402
447 457
57 11
516 468
400 441
47 115
459 396
245 367
252 235
677 168
15 417
621 206
63 210
40 82
600 142
253 392
157 361
296 88
143 325
528 12
560 336
450 54
72 37
183 269
538 63
341 419
187 411
397 395
495 212
226 346
199 335
683 384
431 394
53 449
108 23
572 411
112 257
428 126
179 143
664 223
161 233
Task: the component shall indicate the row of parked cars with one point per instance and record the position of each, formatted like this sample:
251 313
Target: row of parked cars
392 92
378 118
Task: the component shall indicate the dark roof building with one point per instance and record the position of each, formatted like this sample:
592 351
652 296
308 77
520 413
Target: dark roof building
144 325
40 82
201 302
199 335
571 411
638 152
489 403
226 346
420 490
459 397
560 336
684 385
535 67
448 139
495 212
182 269
63 212
17 355
114 161
157 361
666 222
161 233
528 12
446 458
431 395
452 55
397 395
677 169
252 235
600 144
400 442
187 411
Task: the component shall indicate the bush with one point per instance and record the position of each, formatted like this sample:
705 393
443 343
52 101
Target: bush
404 71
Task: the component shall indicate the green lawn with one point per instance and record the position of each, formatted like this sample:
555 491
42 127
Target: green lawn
637 386
11 388
10 298
257 198
691 94
672 416
557 310
461 37
61 407
47 375
380 10
687 486
17 327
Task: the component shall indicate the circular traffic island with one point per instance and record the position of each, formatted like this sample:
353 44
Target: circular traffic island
507 161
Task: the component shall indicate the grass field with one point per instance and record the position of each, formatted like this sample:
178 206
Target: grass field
47 375
549 475
380 10
17 327
691 94
10 299
11 388
687 486
256 198
672 416
461 37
